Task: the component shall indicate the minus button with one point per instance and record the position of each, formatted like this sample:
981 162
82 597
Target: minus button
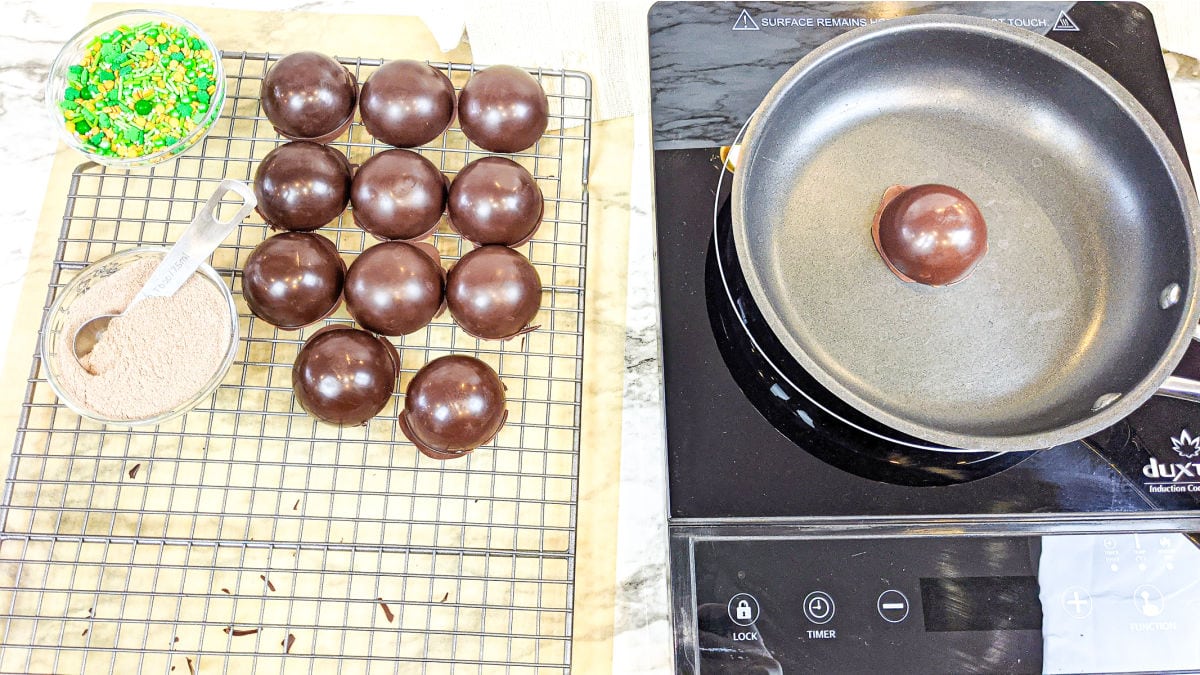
892 606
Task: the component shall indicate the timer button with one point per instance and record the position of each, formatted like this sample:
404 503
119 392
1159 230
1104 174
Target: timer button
818 607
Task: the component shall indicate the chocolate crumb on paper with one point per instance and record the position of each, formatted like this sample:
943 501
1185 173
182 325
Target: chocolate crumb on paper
269 584
85 631
296 505
291 640
387 611
134 470
239 632
191 668
225 591
445 597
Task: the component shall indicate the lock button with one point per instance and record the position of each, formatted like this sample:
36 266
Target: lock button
743 609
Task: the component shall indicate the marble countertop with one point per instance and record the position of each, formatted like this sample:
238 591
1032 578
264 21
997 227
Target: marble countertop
606 39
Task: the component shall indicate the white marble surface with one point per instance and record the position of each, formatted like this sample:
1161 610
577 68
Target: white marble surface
606 39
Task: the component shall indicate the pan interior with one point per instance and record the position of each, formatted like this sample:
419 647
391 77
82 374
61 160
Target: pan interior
1085 231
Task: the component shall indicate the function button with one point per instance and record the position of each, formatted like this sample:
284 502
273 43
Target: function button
818 607
1148 600
892 606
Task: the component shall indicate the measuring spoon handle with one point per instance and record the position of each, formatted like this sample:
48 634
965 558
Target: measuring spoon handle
199 240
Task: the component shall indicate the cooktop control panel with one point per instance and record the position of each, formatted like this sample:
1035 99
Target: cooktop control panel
964 605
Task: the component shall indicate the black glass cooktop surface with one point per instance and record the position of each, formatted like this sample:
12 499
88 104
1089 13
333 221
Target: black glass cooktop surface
746 441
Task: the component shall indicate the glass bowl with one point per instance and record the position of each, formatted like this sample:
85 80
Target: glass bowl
52 331
71 55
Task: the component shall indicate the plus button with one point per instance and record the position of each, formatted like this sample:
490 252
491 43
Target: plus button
1077 601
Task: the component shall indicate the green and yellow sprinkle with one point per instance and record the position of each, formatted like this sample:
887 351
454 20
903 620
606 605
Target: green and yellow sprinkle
139 89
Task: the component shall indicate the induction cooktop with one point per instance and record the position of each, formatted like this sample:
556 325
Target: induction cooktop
761 460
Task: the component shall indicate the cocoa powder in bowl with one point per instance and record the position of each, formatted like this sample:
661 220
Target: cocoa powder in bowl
159 356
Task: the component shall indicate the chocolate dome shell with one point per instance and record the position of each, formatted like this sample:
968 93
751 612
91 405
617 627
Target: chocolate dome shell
406 103
302 186
930 234
293 279
398 194
493 292
494 200
395 288
344 375
309 97
453 405
503 109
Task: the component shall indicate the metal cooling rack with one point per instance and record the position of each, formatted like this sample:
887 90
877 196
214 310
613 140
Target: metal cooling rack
157 549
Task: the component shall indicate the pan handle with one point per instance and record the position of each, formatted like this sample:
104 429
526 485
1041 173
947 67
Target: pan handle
1182 387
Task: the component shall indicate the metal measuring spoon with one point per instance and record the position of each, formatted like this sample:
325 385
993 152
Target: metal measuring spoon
196 244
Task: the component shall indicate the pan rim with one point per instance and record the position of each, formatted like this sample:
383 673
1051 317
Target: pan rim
1180 184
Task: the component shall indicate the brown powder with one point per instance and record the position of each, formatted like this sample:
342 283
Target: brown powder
152 359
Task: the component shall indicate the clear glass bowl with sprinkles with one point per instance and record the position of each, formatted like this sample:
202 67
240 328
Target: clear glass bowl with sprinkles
136 88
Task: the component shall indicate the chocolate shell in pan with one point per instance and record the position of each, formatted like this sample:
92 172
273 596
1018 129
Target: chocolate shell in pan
929 234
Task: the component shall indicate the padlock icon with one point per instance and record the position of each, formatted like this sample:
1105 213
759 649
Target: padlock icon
743 611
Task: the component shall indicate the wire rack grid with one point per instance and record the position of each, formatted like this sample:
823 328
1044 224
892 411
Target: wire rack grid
245 536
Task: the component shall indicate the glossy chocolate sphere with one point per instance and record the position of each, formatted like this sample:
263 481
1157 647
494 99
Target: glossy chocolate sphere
452 406
309 97
398 194
930 234
344 375
406 103
493 292
302 186
395 288
494 200
293 279
503 109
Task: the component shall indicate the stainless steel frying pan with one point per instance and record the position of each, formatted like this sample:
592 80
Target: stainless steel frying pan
1087 297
